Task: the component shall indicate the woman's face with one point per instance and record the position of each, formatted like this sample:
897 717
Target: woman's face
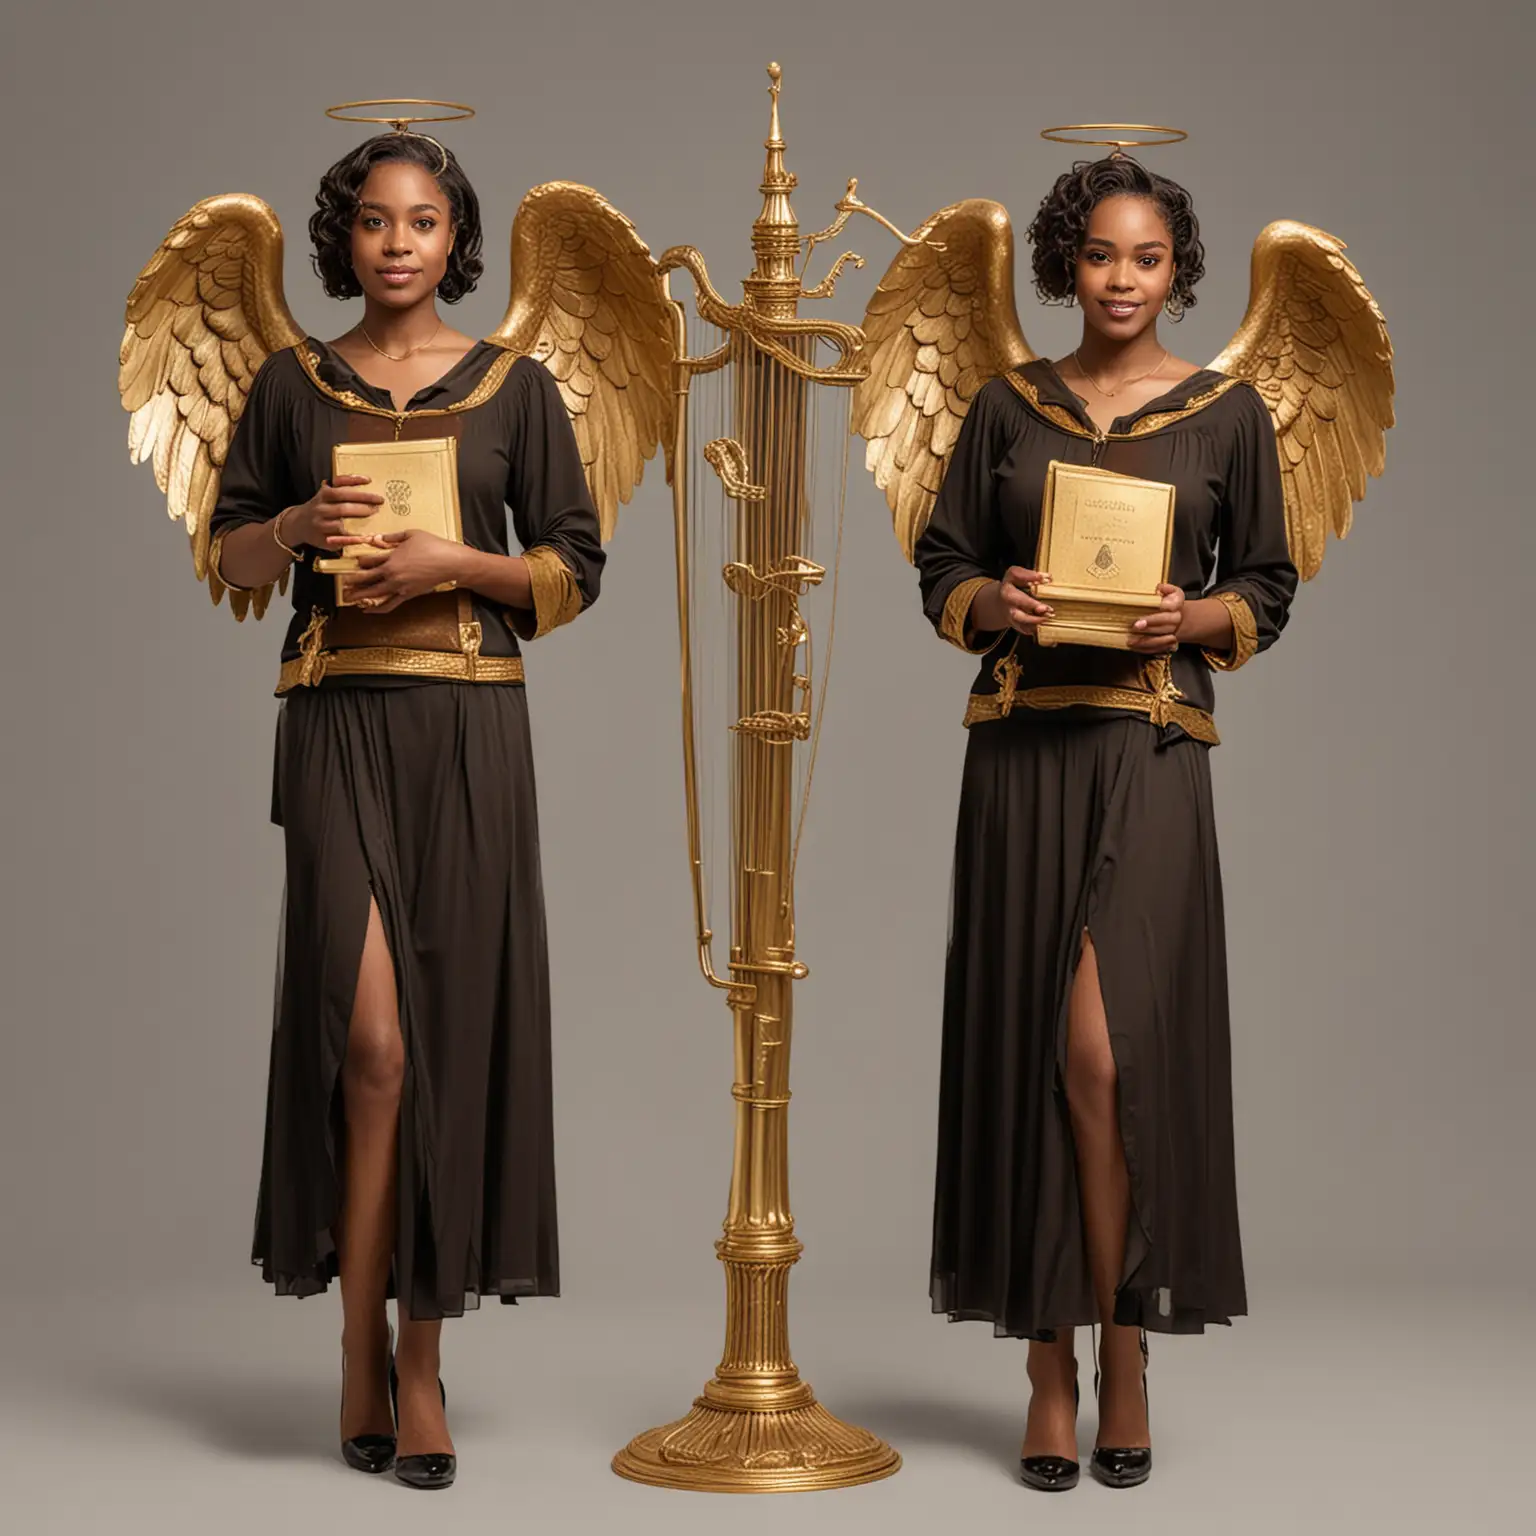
1125 267
401 235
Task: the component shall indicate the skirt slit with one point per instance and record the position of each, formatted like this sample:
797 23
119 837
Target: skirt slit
1138 1240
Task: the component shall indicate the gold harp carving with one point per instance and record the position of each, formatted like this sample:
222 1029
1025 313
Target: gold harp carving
729 460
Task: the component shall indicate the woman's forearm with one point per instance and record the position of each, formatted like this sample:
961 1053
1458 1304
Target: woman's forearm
989 612
1207 622
251 557
501 578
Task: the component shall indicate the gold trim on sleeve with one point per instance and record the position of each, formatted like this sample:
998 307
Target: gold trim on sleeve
556 597
216 562
1245 634
955 626
242 600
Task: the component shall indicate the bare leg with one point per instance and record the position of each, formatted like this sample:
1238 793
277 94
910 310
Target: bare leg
423 1423
1051 1429
1093 1100
371 1080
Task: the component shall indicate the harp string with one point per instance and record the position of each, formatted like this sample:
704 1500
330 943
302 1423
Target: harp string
830 445
713 692
743 653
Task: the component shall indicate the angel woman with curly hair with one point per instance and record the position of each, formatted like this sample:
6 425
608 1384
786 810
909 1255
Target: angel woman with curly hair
409 1147
1085 1160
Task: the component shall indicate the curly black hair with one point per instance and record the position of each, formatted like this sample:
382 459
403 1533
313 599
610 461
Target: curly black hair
330 226
1061 226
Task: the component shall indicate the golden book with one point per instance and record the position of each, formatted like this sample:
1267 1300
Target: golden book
1106 541
419 481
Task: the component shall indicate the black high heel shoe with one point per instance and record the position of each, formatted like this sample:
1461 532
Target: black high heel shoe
431 1469
1123 1466
1051 1474
368 1453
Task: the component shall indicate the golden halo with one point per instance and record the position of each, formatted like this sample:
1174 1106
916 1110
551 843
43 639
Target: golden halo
346 112
1077 133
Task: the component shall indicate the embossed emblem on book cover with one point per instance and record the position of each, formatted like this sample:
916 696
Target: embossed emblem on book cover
1106 540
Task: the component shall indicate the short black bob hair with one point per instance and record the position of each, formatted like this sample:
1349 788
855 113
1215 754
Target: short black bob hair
1061 226
330 226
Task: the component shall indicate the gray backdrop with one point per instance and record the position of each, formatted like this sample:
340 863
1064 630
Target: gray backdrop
1375 836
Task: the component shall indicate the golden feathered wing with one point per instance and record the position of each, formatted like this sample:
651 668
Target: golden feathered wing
1315 345
588 303
941 324
204 315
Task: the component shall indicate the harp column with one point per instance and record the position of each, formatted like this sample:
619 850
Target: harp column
757 1426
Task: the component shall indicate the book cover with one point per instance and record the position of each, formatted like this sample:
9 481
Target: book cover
419 481
1106 539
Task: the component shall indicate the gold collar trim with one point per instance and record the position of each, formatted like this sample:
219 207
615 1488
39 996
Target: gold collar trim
495 377
1060 416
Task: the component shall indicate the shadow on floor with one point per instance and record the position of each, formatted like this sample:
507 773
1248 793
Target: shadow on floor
258 1417
987 1432
264 1418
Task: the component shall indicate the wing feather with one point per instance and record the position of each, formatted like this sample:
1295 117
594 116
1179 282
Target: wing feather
206 311
941 323
588 303
1314 344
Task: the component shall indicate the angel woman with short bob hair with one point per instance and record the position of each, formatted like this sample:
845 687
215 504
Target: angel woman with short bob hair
1085 1160
409 1145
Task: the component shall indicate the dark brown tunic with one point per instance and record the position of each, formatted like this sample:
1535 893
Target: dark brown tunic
1086 805
516 450
1210 437
419 794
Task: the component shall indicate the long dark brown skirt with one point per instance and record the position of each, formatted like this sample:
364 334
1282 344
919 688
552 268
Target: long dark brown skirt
422 797
1068 826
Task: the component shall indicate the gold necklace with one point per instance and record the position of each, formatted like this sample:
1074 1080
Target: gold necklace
418 347
1109 394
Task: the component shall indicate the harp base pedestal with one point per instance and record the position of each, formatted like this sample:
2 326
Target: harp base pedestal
756 1450
757 1427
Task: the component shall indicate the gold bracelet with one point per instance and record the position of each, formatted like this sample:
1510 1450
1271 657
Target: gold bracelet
277 534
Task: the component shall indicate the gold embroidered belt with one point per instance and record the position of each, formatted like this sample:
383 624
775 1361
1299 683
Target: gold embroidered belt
417 640
1156 706
390 660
